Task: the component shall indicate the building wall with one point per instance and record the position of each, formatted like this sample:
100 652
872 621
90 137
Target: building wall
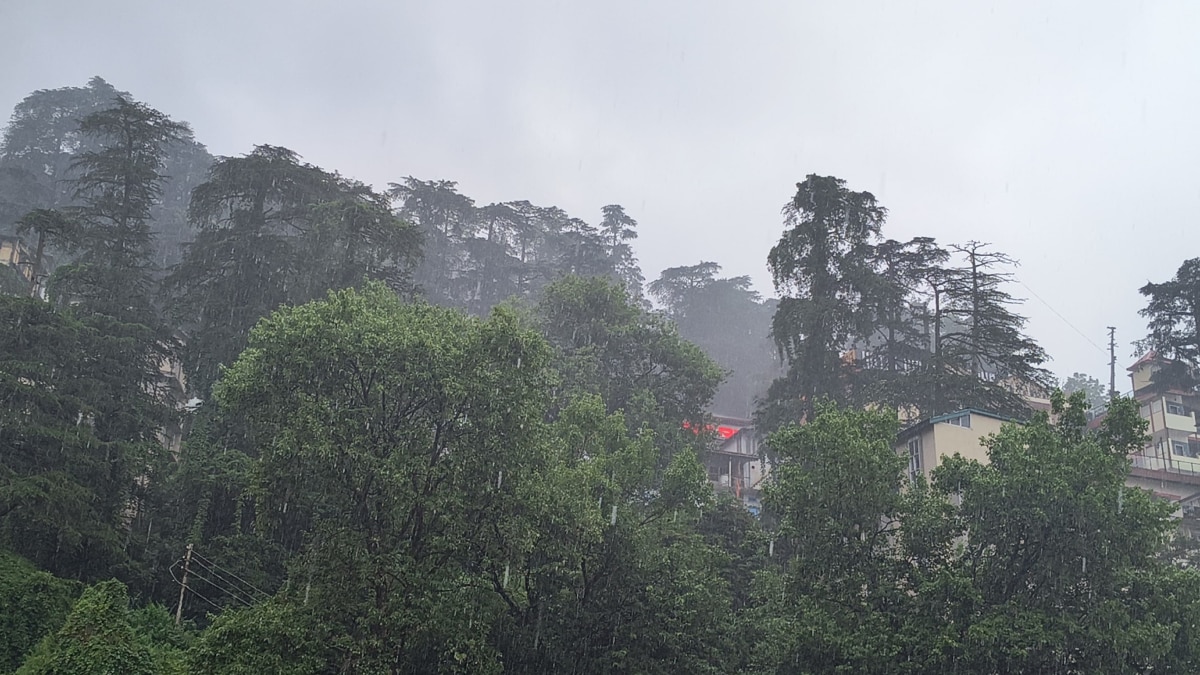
14 253
943 439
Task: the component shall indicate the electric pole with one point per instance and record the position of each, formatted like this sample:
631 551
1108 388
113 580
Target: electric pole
1112 362
187 561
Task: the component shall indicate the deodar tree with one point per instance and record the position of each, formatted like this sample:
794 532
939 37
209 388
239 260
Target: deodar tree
1173 314
821 267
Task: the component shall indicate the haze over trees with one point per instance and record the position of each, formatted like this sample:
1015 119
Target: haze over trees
423 435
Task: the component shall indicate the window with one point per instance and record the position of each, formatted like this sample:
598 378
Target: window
914 457
963 420
1183 449
1175 409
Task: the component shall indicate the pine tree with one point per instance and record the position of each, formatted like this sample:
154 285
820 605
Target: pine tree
822 268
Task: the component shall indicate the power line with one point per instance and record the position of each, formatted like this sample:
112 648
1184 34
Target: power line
1064 319
209 566
231 594
190 590
247 583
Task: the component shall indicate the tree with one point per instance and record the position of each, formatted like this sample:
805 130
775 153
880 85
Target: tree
837 500
96 638
618 229
1095 393
634 360
33 604
276 231
727 319
75 429
400 444
54 230
1173 314
987 348
117 186
821 267
1061 556
43 138
897 348
446 219
20 193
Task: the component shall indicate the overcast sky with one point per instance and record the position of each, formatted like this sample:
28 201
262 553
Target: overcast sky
1063 132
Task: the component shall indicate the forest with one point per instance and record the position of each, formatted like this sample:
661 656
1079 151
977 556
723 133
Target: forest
261 417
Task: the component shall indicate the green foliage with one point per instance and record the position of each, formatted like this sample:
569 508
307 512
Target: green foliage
836 496
97 637
272 637
33 604
821 267
1095 393
634 360
75 431
43 137
1173 314
399 443
730 322
1060 550
275 231
870 322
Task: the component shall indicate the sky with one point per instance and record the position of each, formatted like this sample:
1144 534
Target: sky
1063 133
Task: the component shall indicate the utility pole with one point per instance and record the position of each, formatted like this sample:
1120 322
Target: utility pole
1112 362
187 561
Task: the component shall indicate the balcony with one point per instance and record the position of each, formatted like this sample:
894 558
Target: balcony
1180 422
1176 468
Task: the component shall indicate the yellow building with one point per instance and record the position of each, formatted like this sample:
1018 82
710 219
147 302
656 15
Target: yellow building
928 442
14 253
1169 465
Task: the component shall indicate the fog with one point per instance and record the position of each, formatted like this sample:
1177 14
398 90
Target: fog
1060 132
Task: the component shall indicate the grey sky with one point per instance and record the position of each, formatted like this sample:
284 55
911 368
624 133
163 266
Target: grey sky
1062 132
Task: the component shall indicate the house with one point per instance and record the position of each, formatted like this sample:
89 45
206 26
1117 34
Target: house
1169 464
14 253
734 463
962 432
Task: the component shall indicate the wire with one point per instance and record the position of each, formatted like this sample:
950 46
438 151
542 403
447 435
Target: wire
1059 315
218 575
232 595
193 591
213 564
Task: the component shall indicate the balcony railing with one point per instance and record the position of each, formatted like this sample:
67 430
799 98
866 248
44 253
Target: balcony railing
1181 466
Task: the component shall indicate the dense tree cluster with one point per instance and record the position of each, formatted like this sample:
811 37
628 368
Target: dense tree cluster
866 320
413 434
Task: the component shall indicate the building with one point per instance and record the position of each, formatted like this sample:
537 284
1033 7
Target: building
14 253
734 463
963 432
1169 465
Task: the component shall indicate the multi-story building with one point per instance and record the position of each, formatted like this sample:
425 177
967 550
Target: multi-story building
734 464
1169 464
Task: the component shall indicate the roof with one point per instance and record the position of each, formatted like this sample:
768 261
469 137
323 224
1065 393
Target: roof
909 432
1148 357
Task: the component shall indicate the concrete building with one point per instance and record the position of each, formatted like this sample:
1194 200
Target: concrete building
734 463
930 441
1169 465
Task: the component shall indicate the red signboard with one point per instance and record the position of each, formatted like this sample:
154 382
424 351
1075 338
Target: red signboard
718 429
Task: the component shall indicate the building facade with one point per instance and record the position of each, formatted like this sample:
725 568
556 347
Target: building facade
734 462
1169 464
927 443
